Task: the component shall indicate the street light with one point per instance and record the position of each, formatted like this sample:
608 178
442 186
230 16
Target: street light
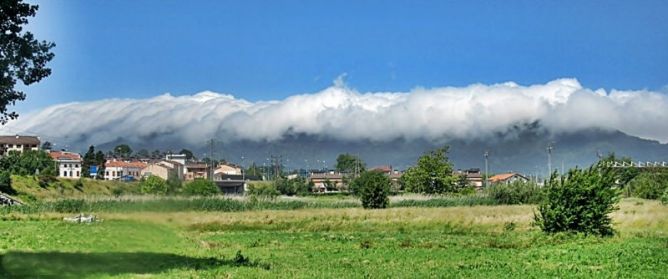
486 169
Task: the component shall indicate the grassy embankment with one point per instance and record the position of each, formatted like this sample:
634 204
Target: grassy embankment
479 241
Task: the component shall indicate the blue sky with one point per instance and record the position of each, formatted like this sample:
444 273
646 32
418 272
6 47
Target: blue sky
260 50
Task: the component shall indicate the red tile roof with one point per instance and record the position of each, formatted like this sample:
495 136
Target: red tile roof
121 164
62 155
502 177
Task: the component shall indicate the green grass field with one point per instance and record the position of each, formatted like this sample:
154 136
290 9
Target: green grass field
406 242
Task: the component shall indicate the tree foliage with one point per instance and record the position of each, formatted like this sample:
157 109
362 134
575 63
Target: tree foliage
123 151
153 185
291 187
347 163
580 201
373 189
431 175
28 162
517 192
22 57
201 187
6 183
188 153
648 185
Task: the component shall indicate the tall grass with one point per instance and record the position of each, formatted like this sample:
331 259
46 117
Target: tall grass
225 204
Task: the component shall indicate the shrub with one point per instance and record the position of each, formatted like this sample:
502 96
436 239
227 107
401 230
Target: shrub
153 185
581 201
648 185
664 198
6 183
173 185
373 189
291 187
517 192
265 190
201 187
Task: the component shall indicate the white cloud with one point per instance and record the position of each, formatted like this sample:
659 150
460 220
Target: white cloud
339 112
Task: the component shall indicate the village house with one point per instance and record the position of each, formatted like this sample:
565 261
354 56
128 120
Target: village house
68 164
473 177
163 169
394 175
121 170
195 170
18 143
321 181
507 178
228 169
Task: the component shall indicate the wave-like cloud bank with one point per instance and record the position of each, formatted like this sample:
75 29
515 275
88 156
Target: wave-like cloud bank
339 112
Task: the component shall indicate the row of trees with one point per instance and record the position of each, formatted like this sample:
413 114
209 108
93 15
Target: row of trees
158 186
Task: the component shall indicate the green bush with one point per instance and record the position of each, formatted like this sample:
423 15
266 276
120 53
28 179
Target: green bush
373 189
664 198
580 201
517 192
264 190
153 185
6 183
201 187
291 187
648 185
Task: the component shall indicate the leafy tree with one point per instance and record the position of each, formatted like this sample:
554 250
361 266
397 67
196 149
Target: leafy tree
22 56
88 160
347 163
188 153
100 159
253 170
648 185
6 183
201 187
624 175
580 201
29 162
143 153
47 145
431 175
123 151
372 188
291 187
156 154
153 185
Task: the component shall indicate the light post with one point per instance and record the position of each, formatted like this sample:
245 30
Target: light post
549 160
486 169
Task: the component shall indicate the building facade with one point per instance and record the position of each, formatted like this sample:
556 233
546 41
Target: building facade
121 170
18 143
68 164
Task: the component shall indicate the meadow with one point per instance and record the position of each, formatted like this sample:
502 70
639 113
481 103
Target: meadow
482 241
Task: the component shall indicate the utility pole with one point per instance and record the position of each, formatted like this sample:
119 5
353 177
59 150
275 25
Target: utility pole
486 169
549 160
210 170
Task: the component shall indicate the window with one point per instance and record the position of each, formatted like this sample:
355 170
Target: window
107 174
65 174
78 174
76 166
